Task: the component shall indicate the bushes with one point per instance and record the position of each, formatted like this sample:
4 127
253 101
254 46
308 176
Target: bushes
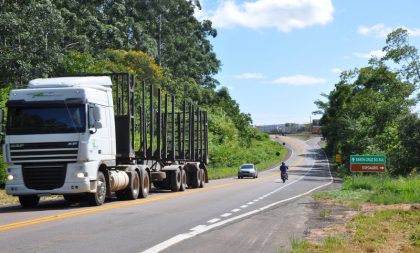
387 190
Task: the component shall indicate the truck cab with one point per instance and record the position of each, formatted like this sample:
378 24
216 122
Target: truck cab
58 133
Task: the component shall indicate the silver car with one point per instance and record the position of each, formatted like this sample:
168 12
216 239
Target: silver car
247 170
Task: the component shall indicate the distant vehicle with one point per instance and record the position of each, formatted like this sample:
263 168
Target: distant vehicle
247 170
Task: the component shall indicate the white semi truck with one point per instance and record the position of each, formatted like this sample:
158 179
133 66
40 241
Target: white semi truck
92 137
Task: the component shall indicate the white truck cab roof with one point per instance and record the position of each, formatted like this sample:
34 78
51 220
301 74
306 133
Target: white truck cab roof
82 81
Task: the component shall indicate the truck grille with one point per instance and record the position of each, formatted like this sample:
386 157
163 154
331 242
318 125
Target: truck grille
44 152
44 176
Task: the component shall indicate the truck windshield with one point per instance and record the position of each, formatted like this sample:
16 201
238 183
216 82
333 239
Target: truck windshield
41 120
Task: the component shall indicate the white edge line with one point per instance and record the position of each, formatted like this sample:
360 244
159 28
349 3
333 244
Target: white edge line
213 220
197 227
181 237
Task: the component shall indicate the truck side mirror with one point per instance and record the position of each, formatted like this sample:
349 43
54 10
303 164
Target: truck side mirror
94 118
97 113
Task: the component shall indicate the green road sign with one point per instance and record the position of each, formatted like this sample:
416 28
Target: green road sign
367 159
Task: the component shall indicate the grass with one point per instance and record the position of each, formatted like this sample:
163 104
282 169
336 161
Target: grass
383 231
325 213
376 190
393 230
7 199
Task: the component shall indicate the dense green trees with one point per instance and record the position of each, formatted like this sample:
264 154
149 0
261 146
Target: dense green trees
159 41
369 111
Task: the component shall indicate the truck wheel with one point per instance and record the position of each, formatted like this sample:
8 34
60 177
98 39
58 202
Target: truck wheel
195 179
175 180
132 192
28 201
98 198
144 184
202 178
183 180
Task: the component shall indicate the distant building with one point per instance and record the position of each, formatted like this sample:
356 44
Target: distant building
316 128
282 128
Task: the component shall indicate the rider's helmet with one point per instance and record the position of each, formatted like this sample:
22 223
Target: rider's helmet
282 163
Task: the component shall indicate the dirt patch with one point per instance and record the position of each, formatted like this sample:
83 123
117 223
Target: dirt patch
370 208
329 219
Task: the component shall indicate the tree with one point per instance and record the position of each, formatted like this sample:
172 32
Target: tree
30 38
399 50
363 116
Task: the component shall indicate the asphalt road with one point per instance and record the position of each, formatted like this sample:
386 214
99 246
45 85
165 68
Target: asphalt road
228 215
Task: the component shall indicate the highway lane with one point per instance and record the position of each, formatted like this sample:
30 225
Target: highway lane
247 215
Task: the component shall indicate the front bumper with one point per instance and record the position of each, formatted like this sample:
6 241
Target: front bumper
68 188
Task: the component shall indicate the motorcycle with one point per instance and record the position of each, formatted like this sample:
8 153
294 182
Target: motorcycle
284 176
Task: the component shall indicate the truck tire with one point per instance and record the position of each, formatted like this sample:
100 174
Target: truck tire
132 191
183 180
144 184
98 198
28 201
195 178
176 176
202 178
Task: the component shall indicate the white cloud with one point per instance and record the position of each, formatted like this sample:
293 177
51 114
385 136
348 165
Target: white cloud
375 53
380 30
336 70
285 15
248 76
299 80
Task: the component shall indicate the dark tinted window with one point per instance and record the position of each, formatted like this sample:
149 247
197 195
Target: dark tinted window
37 120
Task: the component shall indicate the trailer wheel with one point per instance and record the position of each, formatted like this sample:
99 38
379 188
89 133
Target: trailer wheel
195 178
176 180
144 184
98 198
28 201
183 180
202 178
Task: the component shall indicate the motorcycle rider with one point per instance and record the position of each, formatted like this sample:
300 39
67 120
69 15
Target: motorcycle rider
283 169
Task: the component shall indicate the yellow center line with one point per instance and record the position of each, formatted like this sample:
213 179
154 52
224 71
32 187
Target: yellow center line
61 216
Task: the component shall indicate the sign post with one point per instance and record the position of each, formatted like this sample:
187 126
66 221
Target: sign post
368 163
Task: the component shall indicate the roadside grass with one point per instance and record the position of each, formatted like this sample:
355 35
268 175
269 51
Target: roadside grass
382 231
7 199
376 190
386 230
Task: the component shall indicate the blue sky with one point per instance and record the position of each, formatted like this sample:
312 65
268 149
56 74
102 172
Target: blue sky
278 56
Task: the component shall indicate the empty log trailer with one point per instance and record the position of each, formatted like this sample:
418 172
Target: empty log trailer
87 137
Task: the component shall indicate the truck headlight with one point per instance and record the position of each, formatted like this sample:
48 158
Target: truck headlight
81 174
10 177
